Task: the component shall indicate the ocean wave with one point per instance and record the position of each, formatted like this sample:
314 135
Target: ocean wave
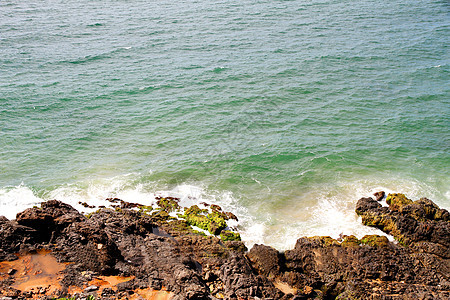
88 59
16 199
128 187
324 210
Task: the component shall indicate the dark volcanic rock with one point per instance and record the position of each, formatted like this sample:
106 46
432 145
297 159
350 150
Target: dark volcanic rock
50 219
332 267
411 223
89 246
266 260
371 266
14 236
154 251
241 283
366 204
421 226
379 195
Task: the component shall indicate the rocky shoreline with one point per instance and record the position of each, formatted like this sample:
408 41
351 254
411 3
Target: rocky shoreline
139 252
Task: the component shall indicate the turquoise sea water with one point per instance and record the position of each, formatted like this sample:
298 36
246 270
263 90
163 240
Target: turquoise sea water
285 112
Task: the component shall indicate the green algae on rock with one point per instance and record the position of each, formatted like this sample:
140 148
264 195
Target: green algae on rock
227 235
168 204
158 250
213 221
350 241
397 201
325 241
145 209
424 209
412 223
375 240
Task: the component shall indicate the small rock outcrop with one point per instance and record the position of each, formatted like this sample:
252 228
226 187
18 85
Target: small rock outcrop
417 224
379 195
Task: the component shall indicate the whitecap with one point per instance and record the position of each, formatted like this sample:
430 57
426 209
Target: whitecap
16 199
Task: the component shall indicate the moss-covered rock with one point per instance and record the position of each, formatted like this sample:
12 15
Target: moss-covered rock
411 223
195 210
425 209
168 204
196 217
347 295
397 201
160 216
180 226
227 235
325 240
350 241
214 221
388 224
145 209
375 240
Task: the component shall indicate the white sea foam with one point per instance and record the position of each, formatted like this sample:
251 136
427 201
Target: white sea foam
253 233
95 193
16 199
329 210
321 210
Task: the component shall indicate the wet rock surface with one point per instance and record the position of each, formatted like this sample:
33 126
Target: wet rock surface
140 252
417 224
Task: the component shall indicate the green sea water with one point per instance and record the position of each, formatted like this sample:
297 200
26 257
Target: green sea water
284 112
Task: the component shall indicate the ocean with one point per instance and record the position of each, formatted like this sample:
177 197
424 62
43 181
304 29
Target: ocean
284 112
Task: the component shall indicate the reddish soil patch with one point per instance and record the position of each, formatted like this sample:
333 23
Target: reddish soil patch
150 294
34 272
109 281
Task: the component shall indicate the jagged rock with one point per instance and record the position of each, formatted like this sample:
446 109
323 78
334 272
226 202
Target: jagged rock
240 282
425 209
89 246
397 201
51 218
333 268
236 246
411 223
366 204
266 260
12 237
153 250
168 204
379 195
